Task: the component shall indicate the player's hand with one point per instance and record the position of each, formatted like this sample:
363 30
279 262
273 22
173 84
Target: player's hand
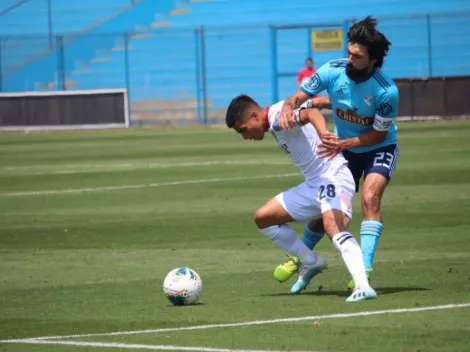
287 118
328 152
330 146
329 138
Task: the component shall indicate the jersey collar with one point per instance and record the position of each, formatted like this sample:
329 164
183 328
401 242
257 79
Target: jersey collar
266 119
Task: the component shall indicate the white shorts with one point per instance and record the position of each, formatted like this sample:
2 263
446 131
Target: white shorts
307 201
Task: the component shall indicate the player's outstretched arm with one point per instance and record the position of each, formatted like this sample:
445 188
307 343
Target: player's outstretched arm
296 100
364 140
315 85
386 113
331 146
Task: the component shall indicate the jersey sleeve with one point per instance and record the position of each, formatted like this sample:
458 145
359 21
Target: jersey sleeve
387 109
319 81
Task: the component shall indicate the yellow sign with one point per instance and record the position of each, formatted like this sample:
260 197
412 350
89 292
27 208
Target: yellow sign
328 40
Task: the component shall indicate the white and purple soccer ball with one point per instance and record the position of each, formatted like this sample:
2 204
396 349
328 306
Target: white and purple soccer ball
182 286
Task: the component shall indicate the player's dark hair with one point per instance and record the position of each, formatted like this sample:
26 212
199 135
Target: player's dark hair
309 59
238 108
365 33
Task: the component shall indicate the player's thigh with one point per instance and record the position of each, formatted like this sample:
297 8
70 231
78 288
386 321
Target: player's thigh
355 165
300 202
379 170
336 192
335 196
270 214
382 161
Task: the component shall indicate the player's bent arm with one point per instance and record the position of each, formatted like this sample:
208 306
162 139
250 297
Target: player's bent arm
315 85
314 117
364 140
296 100
321 103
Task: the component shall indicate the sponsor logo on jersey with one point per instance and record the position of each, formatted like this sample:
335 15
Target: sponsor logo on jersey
351 116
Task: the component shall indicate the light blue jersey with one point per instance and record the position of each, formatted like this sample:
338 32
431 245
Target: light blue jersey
357 108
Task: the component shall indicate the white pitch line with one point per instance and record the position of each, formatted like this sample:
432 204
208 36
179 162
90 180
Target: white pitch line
257 322
135 346
162 184
92 168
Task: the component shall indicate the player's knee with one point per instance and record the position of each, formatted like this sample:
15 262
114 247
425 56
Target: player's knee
261 218
335 221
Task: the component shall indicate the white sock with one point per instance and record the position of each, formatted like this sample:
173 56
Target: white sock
285 237
351 253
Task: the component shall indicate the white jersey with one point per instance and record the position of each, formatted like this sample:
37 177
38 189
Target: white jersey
300 144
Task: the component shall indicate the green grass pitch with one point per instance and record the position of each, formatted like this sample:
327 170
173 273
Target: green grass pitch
91 222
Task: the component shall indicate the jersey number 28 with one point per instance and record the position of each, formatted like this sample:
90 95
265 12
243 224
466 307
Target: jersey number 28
328 191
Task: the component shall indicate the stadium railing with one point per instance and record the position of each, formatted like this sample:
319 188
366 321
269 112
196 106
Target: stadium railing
188 75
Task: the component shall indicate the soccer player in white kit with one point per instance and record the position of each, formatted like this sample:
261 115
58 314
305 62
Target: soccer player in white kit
326 193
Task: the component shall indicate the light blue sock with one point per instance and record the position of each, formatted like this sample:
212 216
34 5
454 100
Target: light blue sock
310 238
371 231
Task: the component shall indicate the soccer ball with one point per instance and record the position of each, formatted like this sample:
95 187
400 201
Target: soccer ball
182 286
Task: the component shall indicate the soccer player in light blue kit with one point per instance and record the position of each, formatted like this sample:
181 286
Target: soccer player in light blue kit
364 103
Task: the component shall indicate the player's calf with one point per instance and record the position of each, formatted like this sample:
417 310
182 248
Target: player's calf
370 202
336 224
372 226
313 233
271 220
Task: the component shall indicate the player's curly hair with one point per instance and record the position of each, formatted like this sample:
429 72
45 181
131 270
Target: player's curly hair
238 108
365 33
